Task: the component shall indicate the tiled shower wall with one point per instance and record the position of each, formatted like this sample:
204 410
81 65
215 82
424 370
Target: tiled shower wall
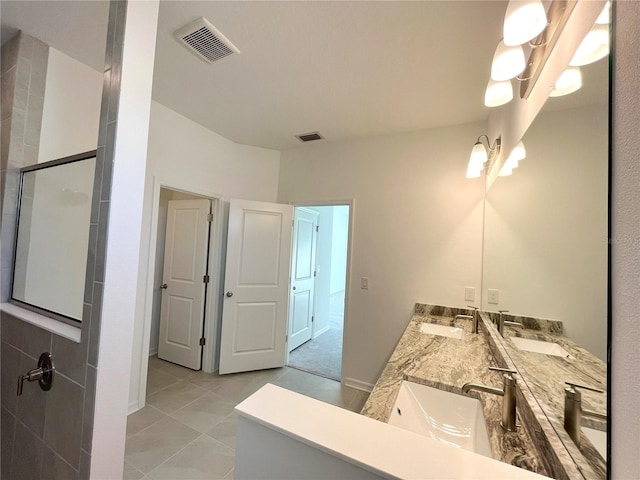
48 434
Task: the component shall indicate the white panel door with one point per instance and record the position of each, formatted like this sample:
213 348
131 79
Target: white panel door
254 317
185 265
303 270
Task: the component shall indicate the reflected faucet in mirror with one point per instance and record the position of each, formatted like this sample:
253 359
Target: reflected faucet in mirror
573 411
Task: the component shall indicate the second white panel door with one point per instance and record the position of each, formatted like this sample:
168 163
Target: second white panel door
303 273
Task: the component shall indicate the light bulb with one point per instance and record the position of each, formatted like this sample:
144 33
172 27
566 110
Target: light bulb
523 21
594 46
498 93
569 81
507 63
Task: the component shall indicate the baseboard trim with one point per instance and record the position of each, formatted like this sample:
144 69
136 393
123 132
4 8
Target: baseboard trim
320 332
153 351
133 407
358 384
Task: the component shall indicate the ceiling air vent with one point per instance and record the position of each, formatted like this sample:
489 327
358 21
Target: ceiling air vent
309 137
205 41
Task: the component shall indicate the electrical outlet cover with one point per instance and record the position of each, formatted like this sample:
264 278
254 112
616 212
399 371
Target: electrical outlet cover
493 296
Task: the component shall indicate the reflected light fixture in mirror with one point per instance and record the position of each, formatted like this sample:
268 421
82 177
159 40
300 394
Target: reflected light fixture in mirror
594 46
498 93
569 81
517 154
523 21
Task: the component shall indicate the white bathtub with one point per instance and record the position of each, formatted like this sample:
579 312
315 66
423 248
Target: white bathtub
449 418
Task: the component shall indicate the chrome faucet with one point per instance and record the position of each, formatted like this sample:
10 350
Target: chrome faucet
573 411
508 393
473 317
501 321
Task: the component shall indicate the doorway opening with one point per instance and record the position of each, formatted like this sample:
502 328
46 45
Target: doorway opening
318 286
181 278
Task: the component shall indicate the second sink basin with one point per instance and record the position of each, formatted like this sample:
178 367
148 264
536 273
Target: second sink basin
598 439
447 417
537 346
442 330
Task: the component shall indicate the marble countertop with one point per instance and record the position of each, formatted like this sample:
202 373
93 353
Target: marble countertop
447 364
545 376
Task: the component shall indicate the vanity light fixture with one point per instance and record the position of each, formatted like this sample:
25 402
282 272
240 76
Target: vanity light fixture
481 154
508 62
498 93
569 81
594 46
523 21
605 16
517 154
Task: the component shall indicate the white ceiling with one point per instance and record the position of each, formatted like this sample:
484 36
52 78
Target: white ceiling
347 69
78 28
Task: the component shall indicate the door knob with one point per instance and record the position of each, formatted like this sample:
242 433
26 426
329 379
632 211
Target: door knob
294 288
43 374
163 286
229 294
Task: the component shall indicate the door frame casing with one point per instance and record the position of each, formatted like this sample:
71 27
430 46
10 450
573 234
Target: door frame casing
350 202
212 299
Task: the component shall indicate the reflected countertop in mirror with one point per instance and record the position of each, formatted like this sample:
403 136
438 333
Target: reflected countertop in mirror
546 373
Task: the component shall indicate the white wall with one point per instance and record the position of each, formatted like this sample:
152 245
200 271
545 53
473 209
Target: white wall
416 232
339 242
71 111
187 156
323 267
546 227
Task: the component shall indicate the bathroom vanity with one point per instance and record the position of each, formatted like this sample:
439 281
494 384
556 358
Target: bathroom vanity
446 362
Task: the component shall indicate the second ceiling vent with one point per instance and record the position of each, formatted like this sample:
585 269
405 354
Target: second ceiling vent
309 137
205 41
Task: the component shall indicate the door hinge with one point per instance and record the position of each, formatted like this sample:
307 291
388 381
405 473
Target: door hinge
317 227
209 217
314 273
312 319
286 339
205 279
292 223
203 341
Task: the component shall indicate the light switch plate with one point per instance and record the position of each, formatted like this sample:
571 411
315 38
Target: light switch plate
470 294
493 296
364 283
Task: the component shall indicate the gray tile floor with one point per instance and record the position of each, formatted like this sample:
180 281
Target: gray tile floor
188 428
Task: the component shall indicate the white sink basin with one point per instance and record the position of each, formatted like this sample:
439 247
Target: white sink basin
537 346
449 418
442 330
598 439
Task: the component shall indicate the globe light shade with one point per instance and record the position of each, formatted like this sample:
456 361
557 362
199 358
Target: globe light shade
604 17
505 171
508 62
498 93
594 46
523 21
518 153
477 160
570 81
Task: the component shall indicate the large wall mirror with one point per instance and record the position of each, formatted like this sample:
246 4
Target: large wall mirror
53 236
545 255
